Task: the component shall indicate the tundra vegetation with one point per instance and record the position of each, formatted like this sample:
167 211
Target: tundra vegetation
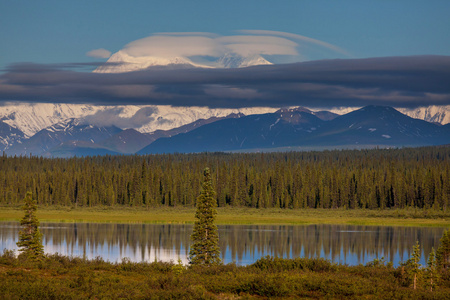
61 277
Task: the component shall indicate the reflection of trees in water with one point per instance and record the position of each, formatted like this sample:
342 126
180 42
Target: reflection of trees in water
330 241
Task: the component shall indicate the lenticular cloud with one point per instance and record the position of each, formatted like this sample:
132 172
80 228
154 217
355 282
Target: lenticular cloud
245 43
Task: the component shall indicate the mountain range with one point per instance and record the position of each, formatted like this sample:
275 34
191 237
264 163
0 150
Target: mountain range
298 129
284 130
79 129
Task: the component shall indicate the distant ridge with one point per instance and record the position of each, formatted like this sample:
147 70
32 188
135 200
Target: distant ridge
371 125
70 130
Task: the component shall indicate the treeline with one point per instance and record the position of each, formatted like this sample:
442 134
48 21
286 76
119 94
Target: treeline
396 178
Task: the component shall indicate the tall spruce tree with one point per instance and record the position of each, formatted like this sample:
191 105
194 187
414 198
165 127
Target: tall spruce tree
443 251
205 248
30 238
431 269
414 263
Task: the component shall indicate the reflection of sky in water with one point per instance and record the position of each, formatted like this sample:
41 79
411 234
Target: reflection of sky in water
243 245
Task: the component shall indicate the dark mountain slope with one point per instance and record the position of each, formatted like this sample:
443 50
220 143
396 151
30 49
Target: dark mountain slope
278 129
71 130
127 141
380 125
78 148
369 126
9 136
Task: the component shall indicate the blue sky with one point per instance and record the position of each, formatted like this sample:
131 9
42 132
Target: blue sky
63 31
39 39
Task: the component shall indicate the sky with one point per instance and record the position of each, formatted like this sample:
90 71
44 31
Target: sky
403 46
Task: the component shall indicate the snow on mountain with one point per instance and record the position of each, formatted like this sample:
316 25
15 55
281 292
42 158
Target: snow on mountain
121 62
64 131
31 118
168 117
433 113
294 129
236 61
9 136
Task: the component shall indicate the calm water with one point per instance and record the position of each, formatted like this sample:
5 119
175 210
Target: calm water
242 244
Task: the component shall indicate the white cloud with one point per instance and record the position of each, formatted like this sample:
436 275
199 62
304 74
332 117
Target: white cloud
174 46
247 42
265 45
298 37
99 53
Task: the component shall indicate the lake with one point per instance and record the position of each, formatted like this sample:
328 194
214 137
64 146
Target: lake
242 244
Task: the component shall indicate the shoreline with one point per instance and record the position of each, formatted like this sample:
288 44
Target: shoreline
237 216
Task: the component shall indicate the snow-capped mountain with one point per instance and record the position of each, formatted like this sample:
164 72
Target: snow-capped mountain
169 117
433 113
68 130
230 60
31 118
121 62
296 129
9 136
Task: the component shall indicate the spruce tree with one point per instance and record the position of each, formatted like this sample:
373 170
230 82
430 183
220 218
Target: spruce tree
205 248
414 263
431 270
30 238
443 251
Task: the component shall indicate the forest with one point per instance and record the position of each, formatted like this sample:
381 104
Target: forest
372 179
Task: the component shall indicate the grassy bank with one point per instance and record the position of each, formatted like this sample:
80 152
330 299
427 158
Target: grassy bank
228 215
59 277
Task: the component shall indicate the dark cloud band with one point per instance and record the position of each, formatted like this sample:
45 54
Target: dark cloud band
397 81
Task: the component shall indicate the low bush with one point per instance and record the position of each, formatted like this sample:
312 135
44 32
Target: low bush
60 277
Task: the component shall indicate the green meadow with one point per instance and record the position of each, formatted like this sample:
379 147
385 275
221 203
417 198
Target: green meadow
241 215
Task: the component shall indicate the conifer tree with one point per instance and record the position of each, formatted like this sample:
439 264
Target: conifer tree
432 269
443 251
413 262
205 248
30 238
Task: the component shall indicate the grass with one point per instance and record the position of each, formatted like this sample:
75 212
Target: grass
230 215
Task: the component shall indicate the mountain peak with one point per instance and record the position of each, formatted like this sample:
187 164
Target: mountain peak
379 109
231 60
121 62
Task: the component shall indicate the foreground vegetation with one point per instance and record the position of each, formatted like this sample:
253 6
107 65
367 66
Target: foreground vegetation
232 215
59 277
350 179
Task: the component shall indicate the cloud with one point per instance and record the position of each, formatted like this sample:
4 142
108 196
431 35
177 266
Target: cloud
410 81
298 37
99 53
113 116
245 43
174 46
